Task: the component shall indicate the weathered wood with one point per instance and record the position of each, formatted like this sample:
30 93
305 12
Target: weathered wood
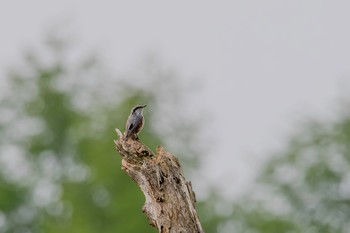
170 200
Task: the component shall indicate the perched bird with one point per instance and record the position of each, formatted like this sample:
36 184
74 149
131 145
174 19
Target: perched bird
135 122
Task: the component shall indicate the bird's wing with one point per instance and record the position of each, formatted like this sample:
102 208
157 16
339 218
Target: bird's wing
130 128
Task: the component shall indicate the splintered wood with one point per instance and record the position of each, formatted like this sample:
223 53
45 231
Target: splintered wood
170 200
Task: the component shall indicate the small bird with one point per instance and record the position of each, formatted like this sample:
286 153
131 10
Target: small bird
135 122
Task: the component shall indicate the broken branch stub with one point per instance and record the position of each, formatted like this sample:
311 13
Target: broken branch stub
170 200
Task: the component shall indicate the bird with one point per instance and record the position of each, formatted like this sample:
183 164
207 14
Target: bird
135 122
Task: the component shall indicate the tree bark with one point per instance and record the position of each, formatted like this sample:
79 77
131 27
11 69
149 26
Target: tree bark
170 200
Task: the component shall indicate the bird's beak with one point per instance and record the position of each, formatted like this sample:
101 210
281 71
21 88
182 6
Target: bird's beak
144 106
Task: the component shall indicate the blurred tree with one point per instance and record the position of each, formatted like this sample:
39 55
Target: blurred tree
306 188
59 171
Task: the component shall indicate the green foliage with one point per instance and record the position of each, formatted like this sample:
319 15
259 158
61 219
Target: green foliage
306 187
59 137
59 171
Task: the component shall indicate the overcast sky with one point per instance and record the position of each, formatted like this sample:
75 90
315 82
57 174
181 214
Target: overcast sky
262 64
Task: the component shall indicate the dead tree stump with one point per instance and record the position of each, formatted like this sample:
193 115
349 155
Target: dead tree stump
170 200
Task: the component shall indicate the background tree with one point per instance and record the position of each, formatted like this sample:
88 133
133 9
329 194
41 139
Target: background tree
306 187
59 171
58 167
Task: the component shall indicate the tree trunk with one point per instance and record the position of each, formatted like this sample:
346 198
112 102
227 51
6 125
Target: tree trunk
169 197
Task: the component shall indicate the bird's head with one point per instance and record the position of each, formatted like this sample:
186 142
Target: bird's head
138 108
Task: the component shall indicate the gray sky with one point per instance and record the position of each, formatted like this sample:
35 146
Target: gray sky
262 64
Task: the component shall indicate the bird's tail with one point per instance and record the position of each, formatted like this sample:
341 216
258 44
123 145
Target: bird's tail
127 135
